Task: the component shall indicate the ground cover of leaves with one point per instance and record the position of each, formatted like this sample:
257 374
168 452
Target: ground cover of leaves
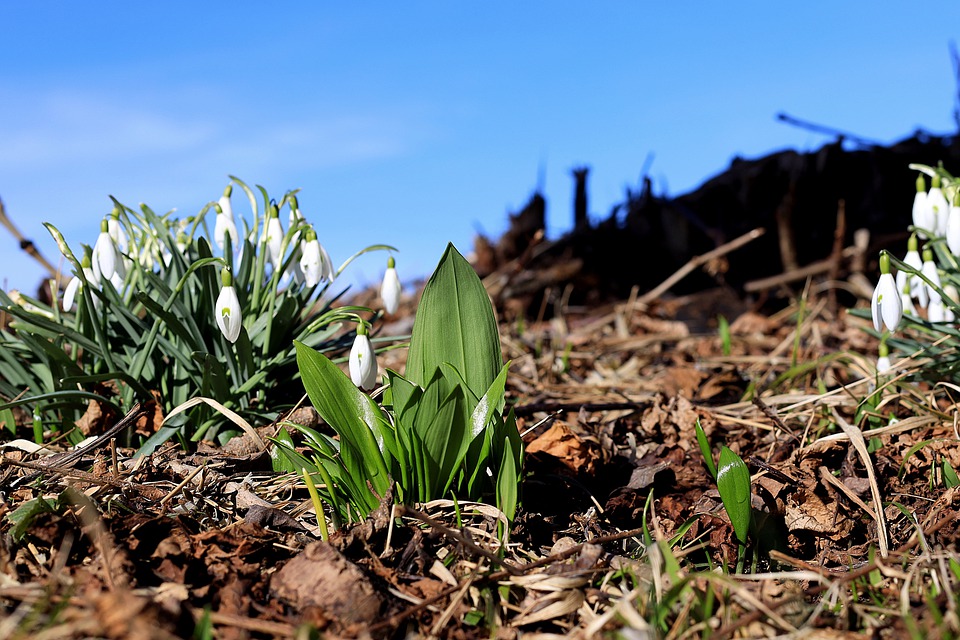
621 532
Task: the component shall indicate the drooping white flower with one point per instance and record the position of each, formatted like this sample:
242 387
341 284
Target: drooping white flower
75 285
886 306
363 362
273 237
907 302
954 295
937 204
936 310
227 309
226 206
328 273
225 226
883 360
930 271
922 214
391 288
311 259
883 364
104 257
117 232
910 283
953 229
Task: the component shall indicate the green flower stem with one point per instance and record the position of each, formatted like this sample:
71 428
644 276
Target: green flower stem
374 247
334 501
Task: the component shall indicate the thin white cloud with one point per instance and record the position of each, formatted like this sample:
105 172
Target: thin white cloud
55 130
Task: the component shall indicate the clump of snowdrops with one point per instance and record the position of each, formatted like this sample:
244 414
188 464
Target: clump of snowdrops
173 309
915 311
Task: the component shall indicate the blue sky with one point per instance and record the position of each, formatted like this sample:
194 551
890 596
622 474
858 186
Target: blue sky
416 123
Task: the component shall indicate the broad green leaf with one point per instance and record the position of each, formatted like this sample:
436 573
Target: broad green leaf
455 324
733 483
23 517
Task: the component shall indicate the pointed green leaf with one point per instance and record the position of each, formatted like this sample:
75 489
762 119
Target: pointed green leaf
455 324
733 483
507 482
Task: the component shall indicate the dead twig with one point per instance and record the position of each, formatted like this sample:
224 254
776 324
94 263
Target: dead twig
697 262
26 244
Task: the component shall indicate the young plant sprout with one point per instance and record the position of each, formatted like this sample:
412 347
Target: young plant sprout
886 306
390 289
227 310
437 430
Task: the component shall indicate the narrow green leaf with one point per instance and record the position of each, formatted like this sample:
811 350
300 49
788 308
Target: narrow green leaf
733 483
705 450
507 482
950 475
455 324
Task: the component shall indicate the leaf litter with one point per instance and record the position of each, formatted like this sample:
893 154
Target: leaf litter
621 528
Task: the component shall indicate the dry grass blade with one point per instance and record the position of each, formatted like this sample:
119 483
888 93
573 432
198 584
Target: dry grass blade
860 445
227 413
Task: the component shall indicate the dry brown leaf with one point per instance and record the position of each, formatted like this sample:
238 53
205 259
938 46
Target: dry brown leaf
566 446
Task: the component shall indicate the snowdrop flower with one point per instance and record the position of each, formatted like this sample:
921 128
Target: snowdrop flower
75 285
116 231
883 361
226 207
273 237
907 301
930 271
909 283
937 204
954 295
312 264
953 226
886 306
227 309
390 289
363 362
936 311
225 226
104 257
922 214
328 273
